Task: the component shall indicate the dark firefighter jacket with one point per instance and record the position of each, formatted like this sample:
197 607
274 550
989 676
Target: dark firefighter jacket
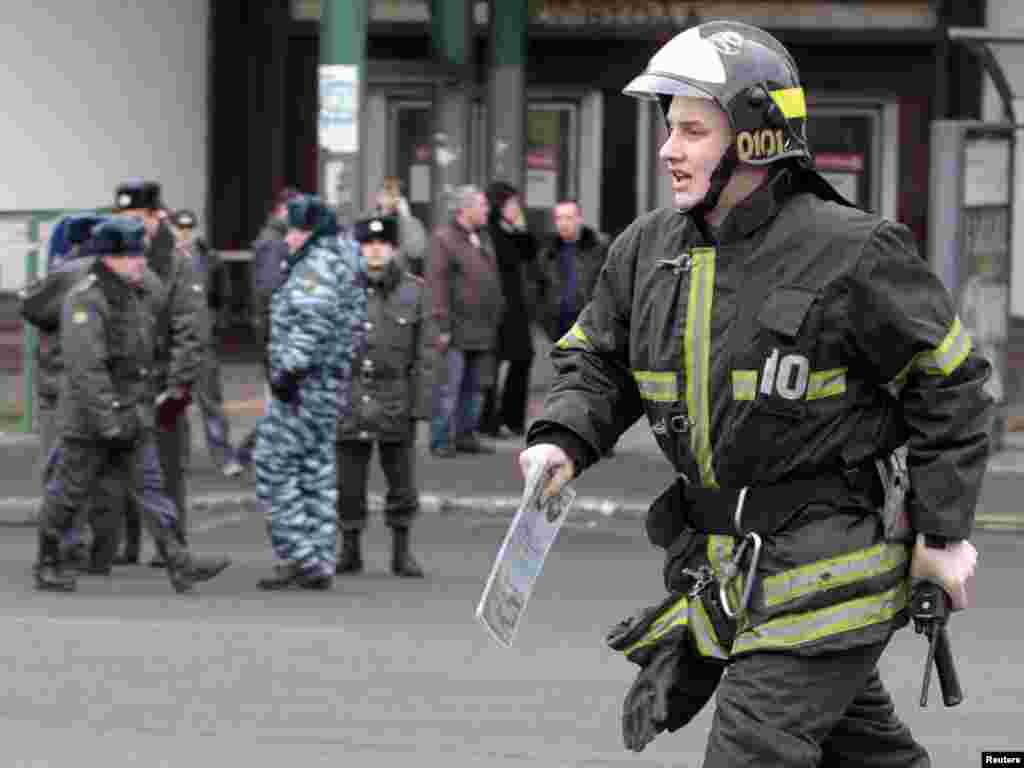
391 382
106 332
41 305
807 337
178 339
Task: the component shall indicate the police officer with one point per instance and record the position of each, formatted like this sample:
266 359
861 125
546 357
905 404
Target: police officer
316 326
41 305
779 341
178 351
209 393
107 411
390 390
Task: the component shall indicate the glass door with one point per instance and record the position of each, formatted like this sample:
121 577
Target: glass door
412 153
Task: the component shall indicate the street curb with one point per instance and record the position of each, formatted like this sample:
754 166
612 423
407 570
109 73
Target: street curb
590 511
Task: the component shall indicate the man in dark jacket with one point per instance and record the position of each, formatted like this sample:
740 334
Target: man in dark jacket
178 351
781 343
209 392
390 392
515 247
467 305
107 411
569 262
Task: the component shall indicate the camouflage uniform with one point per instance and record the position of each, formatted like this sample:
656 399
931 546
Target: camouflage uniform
316 320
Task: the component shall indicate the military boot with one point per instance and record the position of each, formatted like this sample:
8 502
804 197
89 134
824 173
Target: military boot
50 576
351 558
185 570
292 576
402 562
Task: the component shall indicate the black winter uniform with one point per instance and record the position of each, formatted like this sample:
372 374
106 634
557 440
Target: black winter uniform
178 355
391 389
783 353
106 407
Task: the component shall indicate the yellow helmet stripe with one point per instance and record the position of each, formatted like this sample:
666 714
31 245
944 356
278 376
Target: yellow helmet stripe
791 102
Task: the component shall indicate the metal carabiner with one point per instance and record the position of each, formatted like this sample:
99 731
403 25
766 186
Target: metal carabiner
732 569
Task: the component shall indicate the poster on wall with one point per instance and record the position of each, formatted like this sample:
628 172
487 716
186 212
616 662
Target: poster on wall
542 177
339 108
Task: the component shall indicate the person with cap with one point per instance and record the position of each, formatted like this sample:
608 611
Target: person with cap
390 392
515 247
782 344
107 413
209 393
317 319
70 261
178 346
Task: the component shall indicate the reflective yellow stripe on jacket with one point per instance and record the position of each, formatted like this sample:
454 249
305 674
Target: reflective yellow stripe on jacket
697 360
940 361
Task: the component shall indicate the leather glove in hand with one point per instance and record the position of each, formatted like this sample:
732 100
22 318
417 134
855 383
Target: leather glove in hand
285 386
170 405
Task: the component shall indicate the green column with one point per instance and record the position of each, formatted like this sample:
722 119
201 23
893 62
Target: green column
506 92
340 132
30 341
452 37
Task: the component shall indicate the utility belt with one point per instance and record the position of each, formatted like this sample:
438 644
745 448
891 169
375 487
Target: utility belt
764 510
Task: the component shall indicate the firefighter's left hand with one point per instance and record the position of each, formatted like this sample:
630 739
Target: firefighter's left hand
952 568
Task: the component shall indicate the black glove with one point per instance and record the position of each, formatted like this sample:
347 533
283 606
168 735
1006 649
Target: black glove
285 386
674 682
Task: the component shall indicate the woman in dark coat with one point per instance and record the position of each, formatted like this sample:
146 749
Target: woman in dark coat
516 252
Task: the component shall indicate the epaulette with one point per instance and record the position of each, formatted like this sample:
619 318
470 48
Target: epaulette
83 284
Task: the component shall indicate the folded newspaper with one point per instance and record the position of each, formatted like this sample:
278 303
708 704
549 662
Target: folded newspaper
521 557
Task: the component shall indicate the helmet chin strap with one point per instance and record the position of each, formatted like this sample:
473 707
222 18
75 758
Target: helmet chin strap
719 178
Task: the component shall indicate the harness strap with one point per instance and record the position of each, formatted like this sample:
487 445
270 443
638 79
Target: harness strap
766 509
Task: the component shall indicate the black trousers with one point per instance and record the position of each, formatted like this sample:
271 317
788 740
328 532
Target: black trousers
790 711
507 406
402 502
85 470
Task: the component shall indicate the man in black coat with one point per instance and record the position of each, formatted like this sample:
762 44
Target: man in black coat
516 251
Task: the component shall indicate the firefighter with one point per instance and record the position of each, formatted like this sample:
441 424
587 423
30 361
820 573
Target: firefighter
780 342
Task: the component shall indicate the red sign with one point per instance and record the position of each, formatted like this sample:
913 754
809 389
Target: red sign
839 161
542 158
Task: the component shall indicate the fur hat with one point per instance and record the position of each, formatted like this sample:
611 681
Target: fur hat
377 228
137 195
119 236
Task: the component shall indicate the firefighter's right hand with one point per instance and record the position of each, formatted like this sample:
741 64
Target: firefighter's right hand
951 568
560 468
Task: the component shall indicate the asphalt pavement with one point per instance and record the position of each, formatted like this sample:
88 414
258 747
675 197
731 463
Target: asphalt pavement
393 672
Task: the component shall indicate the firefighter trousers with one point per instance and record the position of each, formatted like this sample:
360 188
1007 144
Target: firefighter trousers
790 711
